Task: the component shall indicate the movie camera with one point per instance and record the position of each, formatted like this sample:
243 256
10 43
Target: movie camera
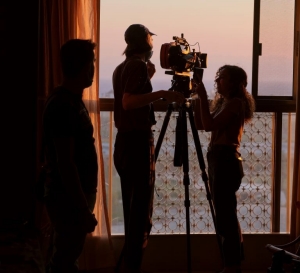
178 57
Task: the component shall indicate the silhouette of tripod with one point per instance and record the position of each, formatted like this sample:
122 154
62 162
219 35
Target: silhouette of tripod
181 157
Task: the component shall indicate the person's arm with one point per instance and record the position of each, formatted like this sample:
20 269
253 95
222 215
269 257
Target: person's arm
131 101
197 115
150 69
132 98
64 147
209 122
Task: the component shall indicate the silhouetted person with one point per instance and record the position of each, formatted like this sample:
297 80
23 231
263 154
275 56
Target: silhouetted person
231 108
70 156
134 145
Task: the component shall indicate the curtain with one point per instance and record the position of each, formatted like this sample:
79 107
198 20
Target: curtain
295 214
61 20
98 249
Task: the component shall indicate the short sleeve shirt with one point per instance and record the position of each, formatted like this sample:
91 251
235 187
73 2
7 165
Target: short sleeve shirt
131 76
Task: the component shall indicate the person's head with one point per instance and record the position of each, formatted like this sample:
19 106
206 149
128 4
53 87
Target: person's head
231 82
77 60
139 41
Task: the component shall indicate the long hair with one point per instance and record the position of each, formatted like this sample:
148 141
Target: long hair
238 78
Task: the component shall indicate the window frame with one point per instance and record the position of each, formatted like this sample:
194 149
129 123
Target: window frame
276 104
272 103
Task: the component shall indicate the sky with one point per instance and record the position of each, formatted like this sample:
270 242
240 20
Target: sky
222 28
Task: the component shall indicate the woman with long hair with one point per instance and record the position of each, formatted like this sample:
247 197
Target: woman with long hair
225 117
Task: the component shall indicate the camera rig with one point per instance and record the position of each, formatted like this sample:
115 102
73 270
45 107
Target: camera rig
178 57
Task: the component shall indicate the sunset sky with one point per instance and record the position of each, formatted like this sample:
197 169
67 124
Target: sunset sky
223 29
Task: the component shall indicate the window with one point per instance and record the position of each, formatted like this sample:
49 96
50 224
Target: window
223 29
273 49
230 32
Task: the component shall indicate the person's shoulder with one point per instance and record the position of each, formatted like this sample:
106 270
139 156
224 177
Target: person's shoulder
130 63
60 98
134 63
119 66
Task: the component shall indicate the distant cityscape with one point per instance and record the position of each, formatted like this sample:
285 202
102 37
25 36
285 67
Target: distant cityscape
106 89
270 88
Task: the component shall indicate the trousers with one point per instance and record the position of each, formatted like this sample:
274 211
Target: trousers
225 173
134 162
68 237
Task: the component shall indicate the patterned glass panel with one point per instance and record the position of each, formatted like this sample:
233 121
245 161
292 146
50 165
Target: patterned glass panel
254 195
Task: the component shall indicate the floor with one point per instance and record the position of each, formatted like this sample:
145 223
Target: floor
21 252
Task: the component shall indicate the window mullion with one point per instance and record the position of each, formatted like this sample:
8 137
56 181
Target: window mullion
277 173
256 48
111 140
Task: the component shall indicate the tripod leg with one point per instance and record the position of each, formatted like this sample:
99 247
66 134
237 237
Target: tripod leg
203 173
163 130
186 180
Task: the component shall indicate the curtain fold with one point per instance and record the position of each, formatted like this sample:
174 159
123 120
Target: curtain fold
61 20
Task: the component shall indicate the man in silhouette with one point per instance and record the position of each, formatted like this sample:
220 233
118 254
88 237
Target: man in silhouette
70 158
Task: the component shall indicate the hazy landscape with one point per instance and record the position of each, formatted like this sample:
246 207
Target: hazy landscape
271 88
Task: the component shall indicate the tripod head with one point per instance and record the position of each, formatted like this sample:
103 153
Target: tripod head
181 82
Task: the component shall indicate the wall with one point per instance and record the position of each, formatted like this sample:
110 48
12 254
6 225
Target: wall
18 55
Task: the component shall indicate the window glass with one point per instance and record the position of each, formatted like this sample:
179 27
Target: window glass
222 29
276 35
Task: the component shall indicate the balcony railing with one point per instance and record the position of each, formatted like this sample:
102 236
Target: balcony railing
263 197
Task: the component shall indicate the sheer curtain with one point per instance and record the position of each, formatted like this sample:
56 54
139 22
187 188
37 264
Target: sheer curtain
61 20
98 249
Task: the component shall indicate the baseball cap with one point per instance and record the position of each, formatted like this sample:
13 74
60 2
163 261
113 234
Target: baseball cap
135 33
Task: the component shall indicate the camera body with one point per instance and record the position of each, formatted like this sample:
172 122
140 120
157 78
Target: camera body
178 57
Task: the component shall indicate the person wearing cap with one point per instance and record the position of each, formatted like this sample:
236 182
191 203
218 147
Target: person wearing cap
134 144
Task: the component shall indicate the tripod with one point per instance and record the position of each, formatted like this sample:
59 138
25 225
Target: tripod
181 159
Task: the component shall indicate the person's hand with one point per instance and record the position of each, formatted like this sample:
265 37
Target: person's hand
88 220
200 89
151 69
174 96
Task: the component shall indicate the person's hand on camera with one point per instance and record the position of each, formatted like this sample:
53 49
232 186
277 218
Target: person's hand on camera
174 96
151 69
88 220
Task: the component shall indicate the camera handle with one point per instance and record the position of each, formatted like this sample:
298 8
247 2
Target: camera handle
181 158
